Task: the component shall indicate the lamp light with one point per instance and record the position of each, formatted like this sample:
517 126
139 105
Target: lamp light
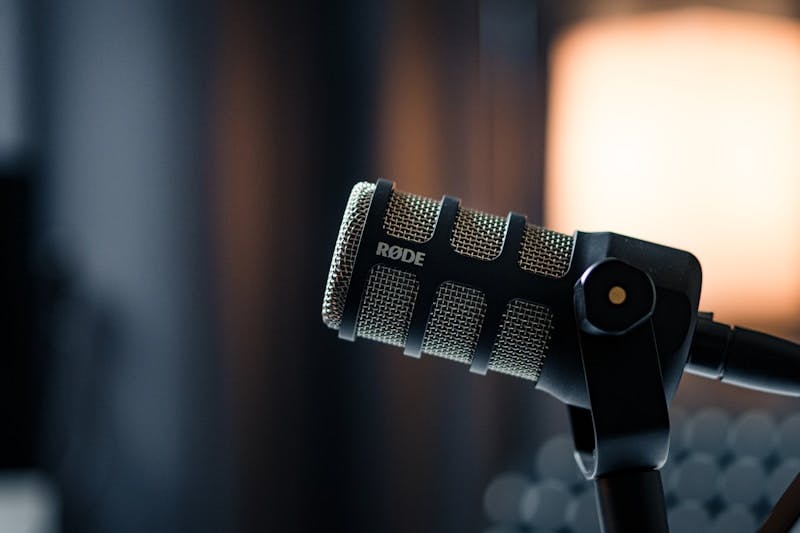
683 127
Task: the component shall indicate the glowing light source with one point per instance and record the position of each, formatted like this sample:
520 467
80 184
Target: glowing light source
683 127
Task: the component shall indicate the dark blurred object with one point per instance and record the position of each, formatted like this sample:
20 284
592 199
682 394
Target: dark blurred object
21 376
135 429
786 513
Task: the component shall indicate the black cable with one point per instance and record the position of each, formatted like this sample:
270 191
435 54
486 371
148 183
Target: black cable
744 357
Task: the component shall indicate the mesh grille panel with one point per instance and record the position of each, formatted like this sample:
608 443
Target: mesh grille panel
455 322
523 340
545 252
344 253
411 217
387 304
477 234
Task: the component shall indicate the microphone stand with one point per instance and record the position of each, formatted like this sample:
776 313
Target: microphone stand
622 439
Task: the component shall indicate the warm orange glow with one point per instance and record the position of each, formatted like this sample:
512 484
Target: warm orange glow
683 127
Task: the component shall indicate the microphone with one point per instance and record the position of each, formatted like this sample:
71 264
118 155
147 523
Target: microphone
497 293
491 292
459 310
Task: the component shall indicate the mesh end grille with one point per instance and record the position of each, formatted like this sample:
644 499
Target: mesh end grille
523 340
455 322
386 306
344 253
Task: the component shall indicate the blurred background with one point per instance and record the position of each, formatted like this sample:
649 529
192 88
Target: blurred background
172 178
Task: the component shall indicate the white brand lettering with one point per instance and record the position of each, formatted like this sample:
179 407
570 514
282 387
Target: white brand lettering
398 253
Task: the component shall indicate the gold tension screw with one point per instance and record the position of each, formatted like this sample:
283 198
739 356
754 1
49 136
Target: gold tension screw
617 295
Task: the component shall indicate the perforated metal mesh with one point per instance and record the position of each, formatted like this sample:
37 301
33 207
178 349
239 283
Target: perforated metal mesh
455 322
522 341
477 234
344 253
545 252
411 217
387 304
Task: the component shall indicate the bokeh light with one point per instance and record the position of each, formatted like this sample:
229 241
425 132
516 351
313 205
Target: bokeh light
682 127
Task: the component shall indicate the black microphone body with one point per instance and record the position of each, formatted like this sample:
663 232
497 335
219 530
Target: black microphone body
496 294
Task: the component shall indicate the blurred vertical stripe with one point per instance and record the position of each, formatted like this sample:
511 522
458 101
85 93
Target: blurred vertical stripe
139 439
309 101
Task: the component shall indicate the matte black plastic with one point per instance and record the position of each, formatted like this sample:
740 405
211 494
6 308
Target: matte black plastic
598 314
745 358
677 277
762 362
632 501
627 425
709 346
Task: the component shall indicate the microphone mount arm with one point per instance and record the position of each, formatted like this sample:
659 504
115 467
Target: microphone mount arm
623 437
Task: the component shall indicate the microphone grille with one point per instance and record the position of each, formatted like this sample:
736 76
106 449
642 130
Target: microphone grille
545 252
457 314
411 217
478 234
386 305
344 253
454 323
523 339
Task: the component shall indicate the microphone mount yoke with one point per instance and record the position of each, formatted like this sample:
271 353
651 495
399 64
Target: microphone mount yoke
623 437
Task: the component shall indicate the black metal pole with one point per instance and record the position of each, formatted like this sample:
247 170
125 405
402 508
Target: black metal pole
631 501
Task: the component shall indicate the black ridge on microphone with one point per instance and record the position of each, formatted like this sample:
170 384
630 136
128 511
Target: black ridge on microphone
490 292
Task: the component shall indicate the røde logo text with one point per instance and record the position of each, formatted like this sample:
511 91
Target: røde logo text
398 253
